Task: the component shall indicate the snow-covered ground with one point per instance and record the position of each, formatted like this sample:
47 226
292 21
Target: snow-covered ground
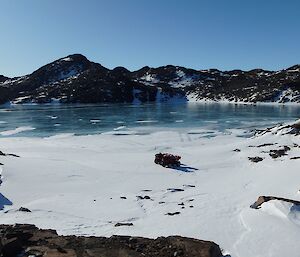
84 185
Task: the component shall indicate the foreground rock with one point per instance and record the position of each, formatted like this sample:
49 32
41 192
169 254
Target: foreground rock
263 199
28 240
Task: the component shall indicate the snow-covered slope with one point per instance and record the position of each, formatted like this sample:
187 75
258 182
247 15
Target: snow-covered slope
85 185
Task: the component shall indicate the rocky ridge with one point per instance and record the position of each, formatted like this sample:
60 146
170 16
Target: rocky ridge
75 79
28 240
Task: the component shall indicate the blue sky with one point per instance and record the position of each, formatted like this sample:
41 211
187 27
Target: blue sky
223 34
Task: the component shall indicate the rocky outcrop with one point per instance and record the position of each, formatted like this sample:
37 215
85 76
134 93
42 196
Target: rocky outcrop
28 240
75 79
263 199
279 152
3 78
281 129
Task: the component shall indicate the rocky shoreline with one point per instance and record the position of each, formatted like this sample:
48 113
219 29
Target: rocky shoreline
75 79
28 240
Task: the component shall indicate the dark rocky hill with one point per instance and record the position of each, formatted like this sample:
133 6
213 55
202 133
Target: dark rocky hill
75 79
28 240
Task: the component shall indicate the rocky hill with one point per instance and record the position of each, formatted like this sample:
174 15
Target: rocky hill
28 240
75 79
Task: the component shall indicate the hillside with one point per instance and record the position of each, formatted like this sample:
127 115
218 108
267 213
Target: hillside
75 79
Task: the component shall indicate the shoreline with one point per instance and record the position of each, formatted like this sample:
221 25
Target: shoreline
169 102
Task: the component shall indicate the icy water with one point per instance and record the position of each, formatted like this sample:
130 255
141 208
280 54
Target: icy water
122 119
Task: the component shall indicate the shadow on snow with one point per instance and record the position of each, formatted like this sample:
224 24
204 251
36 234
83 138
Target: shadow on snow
184 168
4 201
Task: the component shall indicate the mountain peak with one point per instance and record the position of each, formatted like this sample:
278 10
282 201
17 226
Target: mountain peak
74 58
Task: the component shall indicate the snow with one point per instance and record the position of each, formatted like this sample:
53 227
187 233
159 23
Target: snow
297 122
21 99
146 121
95 121
119 128
52 117
14 80
55 100
287 95
295 70
150 78
182 80
291 99
67 74
74 183
67 59
16 131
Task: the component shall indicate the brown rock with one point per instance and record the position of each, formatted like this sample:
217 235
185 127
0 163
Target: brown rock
264 199
29 240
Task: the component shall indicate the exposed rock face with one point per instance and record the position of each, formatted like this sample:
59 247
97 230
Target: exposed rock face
27 240
75 79
263 199
296 125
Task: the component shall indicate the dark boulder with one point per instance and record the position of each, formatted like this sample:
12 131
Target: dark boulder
120 224
255 159
23 209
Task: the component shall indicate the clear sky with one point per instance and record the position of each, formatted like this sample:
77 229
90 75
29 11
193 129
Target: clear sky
223 34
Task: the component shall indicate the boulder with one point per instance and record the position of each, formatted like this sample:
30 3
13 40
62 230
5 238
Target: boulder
263 199
296 125
255 159
23 209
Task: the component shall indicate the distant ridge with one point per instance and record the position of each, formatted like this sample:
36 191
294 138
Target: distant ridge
75 79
